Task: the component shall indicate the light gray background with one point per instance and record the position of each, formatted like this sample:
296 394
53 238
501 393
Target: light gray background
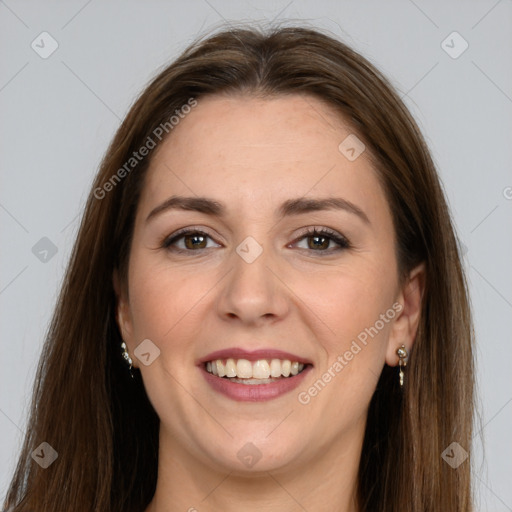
58 115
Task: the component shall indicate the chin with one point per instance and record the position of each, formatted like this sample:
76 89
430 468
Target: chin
256 452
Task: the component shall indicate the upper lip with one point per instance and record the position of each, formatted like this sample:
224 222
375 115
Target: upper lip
254 355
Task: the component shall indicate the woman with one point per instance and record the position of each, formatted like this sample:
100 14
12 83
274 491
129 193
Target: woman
265 306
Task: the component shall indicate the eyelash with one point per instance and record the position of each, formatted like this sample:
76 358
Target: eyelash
323 232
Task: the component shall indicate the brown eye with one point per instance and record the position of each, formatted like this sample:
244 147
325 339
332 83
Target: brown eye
193 240
319 241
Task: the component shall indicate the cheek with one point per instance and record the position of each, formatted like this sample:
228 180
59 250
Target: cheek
167 309
360 317
353 299
161 300
357 308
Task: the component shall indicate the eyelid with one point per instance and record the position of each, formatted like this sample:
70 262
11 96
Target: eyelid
309 231
337 237
189 230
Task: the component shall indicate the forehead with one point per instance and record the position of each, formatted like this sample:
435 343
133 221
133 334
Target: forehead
250 151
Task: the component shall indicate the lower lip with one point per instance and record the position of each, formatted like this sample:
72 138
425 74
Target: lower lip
254 392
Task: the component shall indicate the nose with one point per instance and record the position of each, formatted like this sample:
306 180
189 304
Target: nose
253 292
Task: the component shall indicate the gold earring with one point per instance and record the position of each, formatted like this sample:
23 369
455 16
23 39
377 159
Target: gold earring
127 357
402 362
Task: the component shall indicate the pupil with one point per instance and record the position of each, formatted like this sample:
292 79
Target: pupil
316 238
193 245
315 245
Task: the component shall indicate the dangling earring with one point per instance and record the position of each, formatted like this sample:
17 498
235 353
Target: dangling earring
127 357
402 362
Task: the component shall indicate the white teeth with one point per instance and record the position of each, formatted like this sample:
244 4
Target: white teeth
261 371
230 368
275 368
221 372
243 369
253 381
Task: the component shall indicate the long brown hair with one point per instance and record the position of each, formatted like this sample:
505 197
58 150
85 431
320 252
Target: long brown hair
101 422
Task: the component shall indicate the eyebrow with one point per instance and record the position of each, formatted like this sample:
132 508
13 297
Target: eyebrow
288 208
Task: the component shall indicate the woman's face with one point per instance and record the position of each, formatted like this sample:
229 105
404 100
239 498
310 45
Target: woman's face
257 293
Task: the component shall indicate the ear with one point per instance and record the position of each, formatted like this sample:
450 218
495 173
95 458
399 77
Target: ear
405 326
123 313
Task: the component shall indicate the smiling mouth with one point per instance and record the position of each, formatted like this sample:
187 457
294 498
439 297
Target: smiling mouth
262 371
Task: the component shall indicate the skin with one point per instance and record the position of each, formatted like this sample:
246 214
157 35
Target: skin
253 154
